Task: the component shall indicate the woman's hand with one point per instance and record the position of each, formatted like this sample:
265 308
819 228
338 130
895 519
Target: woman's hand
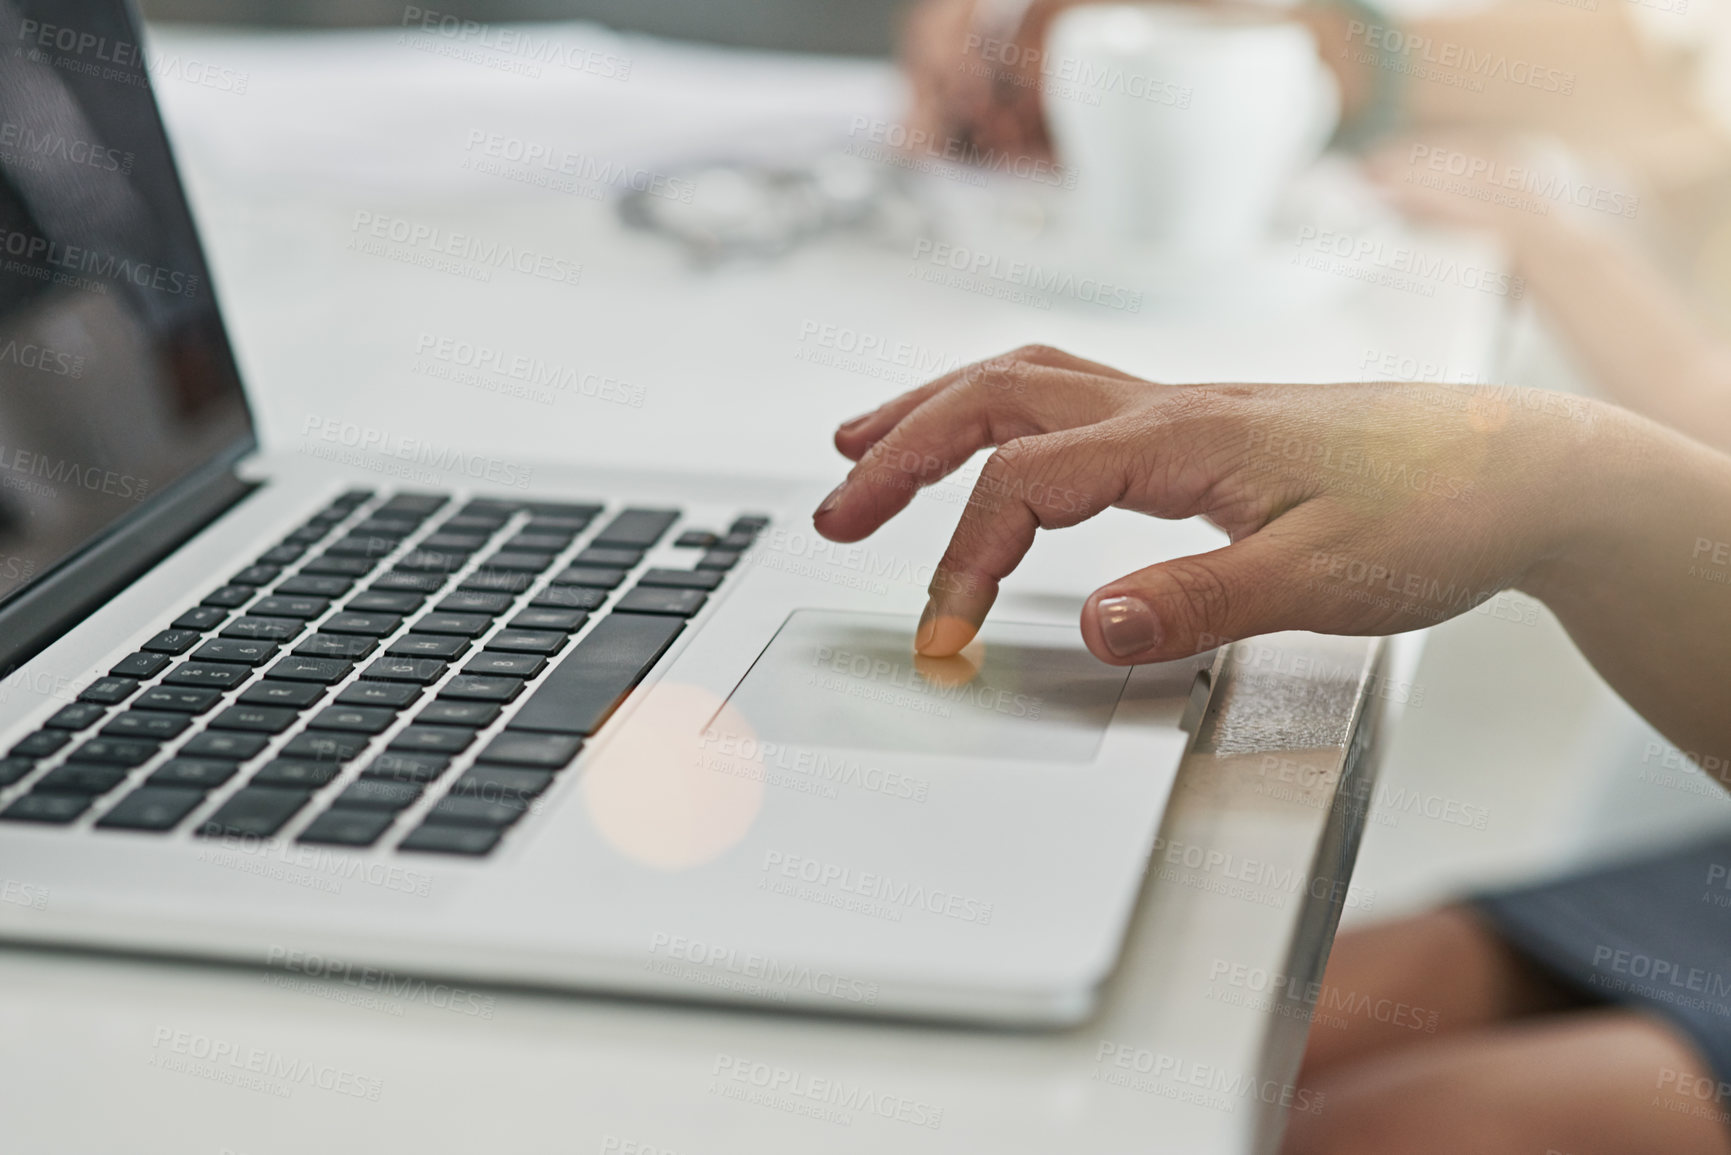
1353 509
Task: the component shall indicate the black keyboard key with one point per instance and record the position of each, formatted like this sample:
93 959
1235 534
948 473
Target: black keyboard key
156 725
543 642
346 501
752 523
502 783
193 773
415 505
81 778
110 690
637 528
378 794
695 539
654 600
256 575
152 808
281 555
608 557
569 598
296 668
390 695
55 808
403 766
76 716
295 774
305 535
326 746
471 811
477 521
398 527
475 602
172 642
419 739
736 542
536 618
538 751
239 651
441 646
497 581
421 671
316 585
179 699
348 827
433 839
354 719
459 625
586 687
12 769
474 687
682 579
255 719
490 663
428 561
256 812
270 692
371 625
275 607
564 528
455 542
224 745
420 583
140 665
41 744
200 618
327 565
721 559
537 543
593 576
114 751
263 629
452 712
351 647
216 677
366 547
229 597
518 562
384 602
578 511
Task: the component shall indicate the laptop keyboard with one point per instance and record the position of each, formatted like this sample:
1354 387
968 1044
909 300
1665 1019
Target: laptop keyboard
389 651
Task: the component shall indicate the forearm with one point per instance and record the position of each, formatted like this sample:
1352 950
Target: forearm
1644 586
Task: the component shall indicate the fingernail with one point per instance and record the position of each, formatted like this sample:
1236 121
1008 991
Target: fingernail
853 423
1128 626
927 627
830 502
941 634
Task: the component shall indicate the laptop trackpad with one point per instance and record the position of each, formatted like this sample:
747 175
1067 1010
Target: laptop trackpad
852 681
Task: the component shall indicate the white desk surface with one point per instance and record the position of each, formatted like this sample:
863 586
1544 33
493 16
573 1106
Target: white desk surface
334 125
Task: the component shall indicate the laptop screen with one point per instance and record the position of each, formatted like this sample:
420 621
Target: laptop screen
116 379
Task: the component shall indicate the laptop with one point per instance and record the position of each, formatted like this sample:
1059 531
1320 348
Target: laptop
641 734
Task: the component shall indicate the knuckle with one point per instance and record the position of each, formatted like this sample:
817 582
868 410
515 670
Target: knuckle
1201 596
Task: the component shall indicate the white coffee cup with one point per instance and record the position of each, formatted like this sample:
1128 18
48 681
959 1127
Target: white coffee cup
1183 124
